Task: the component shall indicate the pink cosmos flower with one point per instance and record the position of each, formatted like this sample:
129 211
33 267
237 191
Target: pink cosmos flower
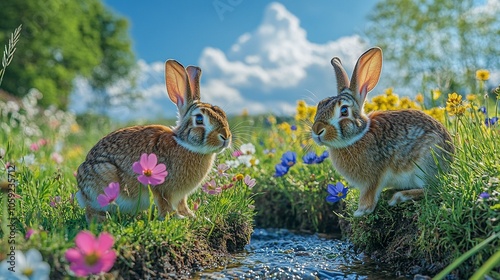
34 147
110 194
42 142
91 255
211 188
56 157
237 153
221 170
249 181
149 172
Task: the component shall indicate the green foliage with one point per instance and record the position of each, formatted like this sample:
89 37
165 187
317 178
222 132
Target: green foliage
36 141
62 40
439 42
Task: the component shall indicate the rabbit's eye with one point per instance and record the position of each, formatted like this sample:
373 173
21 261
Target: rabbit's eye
198 119
344 112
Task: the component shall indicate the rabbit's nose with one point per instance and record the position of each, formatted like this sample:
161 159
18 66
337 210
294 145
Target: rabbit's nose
318 128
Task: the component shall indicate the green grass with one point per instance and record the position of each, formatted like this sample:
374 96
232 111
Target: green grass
145 247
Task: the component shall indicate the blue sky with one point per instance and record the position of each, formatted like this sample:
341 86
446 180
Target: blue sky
260 56
162 29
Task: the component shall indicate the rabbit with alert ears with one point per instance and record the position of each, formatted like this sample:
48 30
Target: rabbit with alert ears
187 150
400 149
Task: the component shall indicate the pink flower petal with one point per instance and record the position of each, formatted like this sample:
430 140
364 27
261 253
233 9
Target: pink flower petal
154 180
79 269
143 179
103 200
73 255
137 167
152 161
144 161
104 242
86 242
159 168
113 190
107 261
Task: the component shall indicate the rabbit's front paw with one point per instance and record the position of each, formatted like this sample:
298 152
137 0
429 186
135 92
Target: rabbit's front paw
363 210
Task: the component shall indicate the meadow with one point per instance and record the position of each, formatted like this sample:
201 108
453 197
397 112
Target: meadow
274 176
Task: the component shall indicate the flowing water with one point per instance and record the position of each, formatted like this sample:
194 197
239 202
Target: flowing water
281 254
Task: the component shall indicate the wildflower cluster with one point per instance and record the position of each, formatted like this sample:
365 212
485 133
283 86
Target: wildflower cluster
244 156
455 105
304 112
288 160
312 158
29 120
222 180
390 101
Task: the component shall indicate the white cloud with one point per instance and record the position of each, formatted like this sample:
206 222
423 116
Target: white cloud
266 70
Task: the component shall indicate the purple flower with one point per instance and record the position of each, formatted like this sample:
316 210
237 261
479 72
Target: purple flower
280 170
111 192
484 195
491 121
293 127
322 157
211 188
289 159
336 192
310 158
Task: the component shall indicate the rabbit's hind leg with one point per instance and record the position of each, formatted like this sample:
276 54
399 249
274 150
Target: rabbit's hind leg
406 195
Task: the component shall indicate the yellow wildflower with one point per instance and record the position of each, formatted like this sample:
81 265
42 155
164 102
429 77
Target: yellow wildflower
271 119
238 177
437 113
435 93
455 105
471 97
311 112
75 128
482 75
419 98
286 127
407 103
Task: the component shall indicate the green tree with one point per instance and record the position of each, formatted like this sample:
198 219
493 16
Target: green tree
63 39
440 43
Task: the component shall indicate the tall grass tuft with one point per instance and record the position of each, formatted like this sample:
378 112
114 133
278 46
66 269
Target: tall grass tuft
9 51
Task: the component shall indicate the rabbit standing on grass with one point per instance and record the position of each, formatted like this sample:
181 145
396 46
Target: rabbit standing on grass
188 151
402 149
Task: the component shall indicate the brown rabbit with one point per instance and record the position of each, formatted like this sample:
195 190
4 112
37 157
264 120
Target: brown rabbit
188 151
391 148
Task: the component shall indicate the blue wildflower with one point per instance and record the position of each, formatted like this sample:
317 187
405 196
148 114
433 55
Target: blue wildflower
293 127
482 109
322 157
491 121
484 195
289 159
310 158
280 170
336 192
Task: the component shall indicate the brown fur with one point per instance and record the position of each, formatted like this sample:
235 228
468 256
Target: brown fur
391 148
188 152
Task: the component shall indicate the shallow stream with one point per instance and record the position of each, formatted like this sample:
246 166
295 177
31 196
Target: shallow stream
281 254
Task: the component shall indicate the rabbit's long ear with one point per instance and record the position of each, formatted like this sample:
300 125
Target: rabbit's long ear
178 88
194 75
366 74
340 74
